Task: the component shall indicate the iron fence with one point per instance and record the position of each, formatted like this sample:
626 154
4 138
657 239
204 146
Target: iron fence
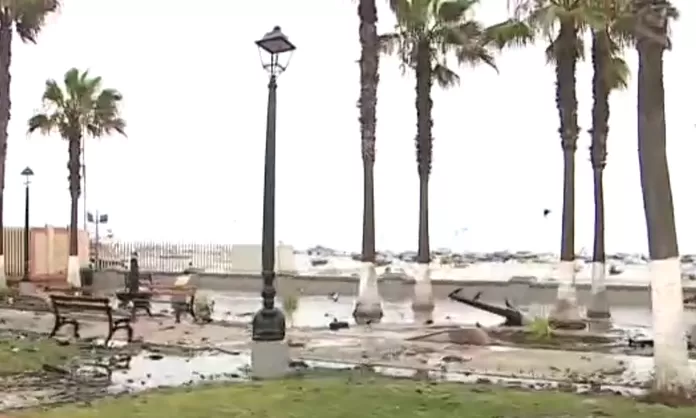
163 256
14 251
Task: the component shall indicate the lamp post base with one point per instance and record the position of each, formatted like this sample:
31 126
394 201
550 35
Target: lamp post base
268 325
269 359
270 356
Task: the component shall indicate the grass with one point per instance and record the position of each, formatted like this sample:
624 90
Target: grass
364 397
29 354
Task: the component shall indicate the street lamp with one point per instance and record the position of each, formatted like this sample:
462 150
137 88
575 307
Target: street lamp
97 219
27 173
269 354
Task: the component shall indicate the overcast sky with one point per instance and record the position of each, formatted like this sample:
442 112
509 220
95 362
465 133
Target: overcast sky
191 168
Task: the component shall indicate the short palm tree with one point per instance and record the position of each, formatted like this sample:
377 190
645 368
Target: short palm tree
672 372
611 33
562 23
78 109
26 18
428 32
368 306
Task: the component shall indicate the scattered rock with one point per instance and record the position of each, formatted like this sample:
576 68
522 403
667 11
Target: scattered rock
454 359
335 325
470 336
298 365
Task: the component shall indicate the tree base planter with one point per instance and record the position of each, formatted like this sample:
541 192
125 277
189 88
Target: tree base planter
368 307
423 303
73 277
367 313
599 306
3 276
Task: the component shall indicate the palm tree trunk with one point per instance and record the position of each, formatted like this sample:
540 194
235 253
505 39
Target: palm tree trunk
601 55
567 103
368 306
672 373
74 177
423 302
5 104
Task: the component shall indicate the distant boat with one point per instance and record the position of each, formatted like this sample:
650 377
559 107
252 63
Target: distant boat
319 261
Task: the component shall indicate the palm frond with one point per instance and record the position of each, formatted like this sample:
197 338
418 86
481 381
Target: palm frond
30 16
509 33
618 73
53 94
454 11
41 122
81 105
444 76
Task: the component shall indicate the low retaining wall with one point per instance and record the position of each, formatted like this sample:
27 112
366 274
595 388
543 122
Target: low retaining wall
519 290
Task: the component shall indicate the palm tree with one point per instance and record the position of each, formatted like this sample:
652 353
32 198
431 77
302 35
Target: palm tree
610 73
562 22
27 18
368 306
78 109
427 32
672 372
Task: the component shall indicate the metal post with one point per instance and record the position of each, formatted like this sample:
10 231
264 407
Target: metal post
269 322
25 276
96 243
84 186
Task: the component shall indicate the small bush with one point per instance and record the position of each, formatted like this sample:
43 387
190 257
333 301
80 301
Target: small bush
290 305
540 328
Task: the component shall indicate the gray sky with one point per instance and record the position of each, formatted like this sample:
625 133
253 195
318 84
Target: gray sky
195 102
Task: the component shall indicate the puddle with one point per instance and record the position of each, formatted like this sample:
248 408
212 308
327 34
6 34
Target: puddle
333 342
318 311
149 370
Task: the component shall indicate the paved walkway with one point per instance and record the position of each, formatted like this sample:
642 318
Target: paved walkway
384 345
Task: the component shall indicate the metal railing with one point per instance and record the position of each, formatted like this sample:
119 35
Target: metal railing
14 251
163 256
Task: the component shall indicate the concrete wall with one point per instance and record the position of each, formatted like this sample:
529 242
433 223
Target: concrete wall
48 251
396 289
246 258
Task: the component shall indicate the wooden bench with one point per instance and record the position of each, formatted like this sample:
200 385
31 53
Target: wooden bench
65 308
182 299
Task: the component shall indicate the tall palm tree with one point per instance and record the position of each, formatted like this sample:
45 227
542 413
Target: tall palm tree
427 32
610 73
26 17
562 22
368 306
80 108
672 372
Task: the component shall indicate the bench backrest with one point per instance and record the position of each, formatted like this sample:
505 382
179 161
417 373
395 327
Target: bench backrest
80 303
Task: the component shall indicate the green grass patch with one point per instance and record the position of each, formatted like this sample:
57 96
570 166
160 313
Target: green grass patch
360 397
30 354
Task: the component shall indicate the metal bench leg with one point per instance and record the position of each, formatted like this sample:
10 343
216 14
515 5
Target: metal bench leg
191 306
129 330
56 326
108 337
76 328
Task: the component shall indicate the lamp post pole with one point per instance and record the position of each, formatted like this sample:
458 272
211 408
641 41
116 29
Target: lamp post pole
97 219
269 352
27 173
268 293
